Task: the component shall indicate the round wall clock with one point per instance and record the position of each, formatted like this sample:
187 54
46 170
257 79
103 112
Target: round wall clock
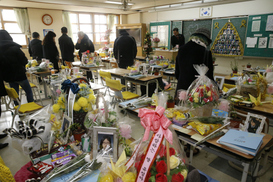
47 19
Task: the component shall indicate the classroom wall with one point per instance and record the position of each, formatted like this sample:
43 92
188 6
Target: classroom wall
233 9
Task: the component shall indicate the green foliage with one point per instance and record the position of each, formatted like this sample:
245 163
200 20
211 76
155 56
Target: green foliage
234 65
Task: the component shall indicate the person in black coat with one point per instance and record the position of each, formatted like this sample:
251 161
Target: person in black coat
194 52
66 46
177 38
125 49
35 48
50 50
12 65
84 44
2 93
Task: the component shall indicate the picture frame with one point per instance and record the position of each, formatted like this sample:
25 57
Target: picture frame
219 81
254 123
65 128
101 135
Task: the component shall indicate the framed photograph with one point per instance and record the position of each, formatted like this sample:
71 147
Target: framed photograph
65 129
70 103
103 136
254 123
220 81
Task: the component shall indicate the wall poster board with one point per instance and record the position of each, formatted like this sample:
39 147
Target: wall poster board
259 36
163 32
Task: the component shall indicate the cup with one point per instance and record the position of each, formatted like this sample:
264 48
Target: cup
52 71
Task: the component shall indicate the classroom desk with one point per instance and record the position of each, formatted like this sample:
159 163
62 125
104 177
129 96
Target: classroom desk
43 74
265 109
117 72
167 54
225 152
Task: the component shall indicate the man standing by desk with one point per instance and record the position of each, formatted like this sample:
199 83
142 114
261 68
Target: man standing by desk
66 46
125 50
35 48
177 39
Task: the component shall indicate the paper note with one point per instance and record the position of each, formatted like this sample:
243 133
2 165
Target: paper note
176 127
270 44
251 41
256 18
153 28
197 137
258 35
262 42
256 26
269 23
185 130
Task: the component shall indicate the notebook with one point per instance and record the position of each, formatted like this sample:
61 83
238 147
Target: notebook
248 143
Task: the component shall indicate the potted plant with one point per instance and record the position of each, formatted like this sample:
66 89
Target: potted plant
213 59
248 65
155 41
170 102
77 131
234 66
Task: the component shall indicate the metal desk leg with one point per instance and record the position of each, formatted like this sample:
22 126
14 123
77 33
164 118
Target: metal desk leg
245 171
45 90
257 166
191 155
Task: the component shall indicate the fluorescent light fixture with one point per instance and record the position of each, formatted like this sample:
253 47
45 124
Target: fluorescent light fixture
208 1
115 2
191 3
161 7
175 5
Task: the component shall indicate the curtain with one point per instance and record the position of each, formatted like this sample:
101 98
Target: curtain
22 20
67 24
111 22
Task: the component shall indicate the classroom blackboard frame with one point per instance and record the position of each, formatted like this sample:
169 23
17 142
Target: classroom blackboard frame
256 51
169 24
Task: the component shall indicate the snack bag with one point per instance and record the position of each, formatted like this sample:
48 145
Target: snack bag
158 157
203 93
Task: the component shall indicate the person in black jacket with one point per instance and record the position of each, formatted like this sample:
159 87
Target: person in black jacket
194 52
66 46
50 50
12 65
35 48
84 44
125 49
2 93
177 38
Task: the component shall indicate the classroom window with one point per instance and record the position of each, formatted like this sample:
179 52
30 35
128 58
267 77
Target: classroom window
93 25
9 23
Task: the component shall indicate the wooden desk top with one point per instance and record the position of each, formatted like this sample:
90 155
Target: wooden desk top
148 78
118 71
265 108
48 72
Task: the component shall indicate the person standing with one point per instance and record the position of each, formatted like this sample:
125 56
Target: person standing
50 50
35 48
177 39
125 49
85 44
66 46
2 93
12 65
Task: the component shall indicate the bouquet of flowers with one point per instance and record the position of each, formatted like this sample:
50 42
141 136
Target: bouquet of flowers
203 92
105 49
156 40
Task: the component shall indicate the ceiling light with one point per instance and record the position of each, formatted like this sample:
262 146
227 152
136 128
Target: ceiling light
208 1
161 7
191 3
175 5
115 2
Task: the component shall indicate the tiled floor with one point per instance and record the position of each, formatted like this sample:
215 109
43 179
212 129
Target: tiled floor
15 159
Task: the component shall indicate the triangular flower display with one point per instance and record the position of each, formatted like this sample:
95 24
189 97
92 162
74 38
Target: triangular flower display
228 42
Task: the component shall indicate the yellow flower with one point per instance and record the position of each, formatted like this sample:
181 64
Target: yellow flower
56 126
184 173
61 100
174 161
91 92
26 65
50 66
82 85
56 108
92 98
107 178
129 177
76 107
196 99
62 106
82 102
196 94
209 93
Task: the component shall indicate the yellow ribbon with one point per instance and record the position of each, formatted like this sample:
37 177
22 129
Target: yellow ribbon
243 23
216 25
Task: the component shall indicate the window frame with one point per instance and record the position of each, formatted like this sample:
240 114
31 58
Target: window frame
3 23
92 23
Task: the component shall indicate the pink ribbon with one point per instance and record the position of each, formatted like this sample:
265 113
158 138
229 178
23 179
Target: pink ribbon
153 120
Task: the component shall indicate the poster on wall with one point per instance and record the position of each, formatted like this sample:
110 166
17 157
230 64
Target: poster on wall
45 31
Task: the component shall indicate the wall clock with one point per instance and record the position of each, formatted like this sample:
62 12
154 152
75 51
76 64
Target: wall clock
47 19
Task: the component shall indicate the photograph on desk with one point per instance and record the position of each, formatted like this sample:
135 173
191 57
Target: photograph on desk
254 123
220 81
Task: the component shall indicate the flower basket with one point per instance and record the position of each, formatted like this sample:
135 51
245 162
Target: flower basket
205 110
78 117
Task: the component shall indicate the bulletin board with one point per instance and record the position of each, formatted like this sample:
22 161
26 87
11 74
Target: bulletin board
230 47
189 27
155 27
259 36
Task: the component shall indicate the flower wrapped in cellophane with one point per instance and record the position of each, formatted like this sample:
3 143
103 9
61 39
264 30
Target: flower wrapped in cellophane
203 93
158 157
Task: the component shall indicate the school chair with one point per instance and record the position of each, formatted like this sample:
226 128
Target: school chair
103 76
119 95
5 174
21 109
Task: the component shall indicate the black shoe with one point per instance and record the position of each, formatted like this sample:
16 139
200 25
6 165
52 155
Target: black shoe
3 145
3 135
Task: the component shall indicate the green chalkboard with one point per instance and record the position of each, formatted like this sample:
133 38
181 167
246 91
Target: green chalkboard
189 27
158 25
177 24
260 33
239 24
